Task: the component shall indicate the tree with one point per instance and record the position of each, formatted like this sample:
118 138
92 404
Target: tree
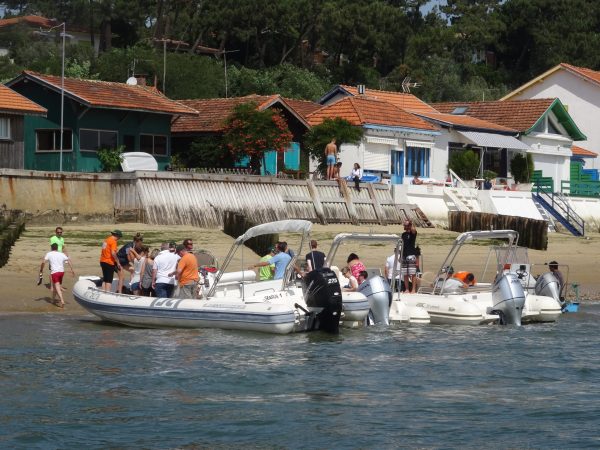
521 167
320 135
464 163
250 132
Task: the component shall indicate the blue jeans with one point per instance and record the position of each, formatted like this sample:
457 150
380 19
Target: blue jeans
164 290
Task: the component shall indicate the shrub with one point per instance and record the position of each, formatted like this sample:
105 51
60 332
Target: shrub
521 167
465 164
111 158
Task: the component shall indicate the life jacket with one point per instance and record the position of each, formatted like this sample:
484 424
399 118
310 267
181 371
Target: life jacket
122 253
462 276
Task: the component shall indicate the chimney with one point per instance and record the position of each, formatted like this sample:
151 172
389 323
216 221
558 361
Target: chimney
361 89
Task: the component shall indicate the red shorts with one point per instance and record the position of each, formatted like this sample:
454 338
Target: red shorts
57 277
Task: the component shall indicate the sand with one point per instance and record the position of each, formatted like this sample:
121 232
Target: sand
20 292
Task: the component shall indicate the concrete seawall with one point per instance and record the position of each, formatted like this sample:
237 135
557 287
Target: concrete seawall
173 198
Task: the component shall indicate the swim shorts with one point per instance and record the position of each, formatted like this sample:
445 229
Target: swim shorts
57 277
330 160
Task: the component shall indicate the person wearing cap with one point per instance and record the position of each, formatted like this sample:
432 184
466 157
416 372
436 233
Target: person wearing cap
109 261
187 273
266 272
280 260
172 247
163 272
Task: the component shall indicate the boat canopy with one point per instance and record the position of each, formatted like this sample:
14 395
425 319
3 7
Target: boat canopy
281 226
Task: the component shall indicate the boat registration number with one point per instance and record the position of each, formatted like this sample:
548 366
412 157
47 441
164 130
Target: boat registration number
165 303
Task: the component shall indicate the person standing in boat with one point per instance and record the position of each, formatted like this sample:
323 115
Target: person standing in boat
266 272
187 273
163 272
109 261
146 271
553 266
280 260
136 270
409 263
315 259
389 270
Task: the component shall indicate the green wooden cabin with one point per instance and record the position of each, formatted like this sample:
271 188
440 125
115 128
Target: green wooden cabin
97 114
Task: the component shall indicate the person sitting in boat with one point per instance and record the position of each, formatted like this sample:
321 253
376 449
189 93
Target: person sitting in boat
362 277
351 283
280 260
467 278
355 264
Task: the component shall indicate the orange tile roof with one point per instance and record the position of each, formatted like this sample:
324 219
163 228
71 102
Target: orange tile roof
363 110
105 94
212 112
580 151
520 115
590 74
12 102
465 121
407 102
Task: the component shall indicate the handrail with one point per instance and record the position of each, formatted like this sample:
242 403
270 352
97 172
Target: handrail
454 177
559 204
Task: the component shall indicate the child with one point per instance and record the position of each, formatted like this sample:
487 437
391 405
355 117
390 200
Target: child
56 261
136 269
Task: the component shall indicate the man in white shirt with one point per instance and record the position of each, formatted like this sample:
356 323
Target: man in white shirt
163 272
56 261
389 269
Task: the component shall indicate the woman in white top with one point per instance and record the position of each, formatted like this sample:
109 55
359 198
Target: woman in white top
136 270
352 282
356 175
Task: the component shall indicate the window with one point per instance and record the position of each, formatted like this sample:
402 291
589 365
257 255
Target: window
153 144
417 160
129 142
94 140
459 110
4 128
49 140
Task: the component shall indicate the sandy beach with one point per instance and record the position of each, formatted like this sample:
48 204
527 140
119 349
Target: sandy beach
21 293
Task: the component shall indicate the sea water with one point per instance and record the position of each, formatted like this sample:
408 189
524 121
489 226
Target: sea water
75 382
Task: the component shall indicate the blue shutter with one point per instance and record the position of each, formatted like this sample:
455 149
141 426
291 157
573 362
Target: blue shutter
291 158
269 166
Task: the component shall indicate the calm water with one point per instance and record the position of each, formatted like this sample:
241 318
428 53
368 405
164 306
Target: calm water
70 382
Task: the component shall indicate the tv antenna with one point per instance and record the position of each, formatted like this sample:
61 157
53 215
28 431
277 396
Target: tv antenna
406 85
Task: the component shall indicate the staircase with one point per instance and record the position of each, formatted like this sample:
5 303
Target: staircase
459 196
557 205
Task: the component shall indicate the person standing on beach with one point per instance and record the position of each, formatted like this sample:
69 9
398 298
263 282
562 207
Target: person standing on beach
59 240
109 261
187 273
331 158
56 262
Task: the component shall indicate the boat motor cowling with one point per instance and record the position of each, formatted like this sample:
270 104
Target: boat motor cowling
378 292
508 298
324 296
548 286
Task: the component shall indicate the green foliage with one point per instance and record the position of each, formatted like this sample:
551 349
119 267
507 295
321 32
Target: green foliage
206 152
489 174
320 135
111 158
81 70
464 163
250 132
287 80
521 167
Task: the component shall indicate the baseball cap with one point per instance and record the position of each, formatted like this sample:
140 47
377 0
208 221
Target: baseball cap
117 233
172 245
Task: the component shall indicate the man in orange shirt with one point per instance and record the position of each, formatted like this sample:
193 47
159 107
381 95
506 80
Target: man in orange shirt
466 277
187 273
109 260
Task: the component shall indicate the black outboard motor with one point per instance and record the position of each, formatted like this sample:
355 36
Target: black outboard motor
509 298
324 298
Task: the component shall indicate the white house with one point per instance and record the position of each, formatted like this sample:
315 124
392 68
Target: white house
544 127
395 144
578 89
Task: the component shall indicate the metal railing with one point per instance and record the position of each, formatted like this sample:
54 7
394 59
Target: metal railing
558 205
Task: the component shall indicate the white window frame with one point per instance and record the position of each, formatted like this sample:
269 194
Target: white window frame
153 148
57 140
98 131
7 136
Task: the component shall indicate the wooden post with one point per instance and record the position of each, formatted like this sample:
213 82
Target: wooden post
314 195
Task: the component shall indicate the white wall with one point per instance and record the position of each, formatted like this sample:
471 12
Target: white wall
580 97
551 155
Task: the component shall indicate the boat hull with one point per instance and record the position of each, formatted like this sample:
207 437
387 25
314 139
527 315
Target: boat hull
152 312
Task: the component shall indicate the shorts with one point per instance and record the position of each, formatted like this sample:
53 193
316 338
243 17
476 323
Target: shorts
330 160
57 277
135 286
409 266
108 272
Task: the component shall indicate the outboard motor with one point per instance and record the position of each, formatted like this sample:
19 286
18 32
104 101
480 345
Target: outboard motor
509 298
547 285
379 293
324 297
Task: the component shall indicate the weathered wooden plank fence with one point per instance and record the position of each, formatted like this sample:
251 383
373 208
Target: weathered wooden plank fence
184 198
532 233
